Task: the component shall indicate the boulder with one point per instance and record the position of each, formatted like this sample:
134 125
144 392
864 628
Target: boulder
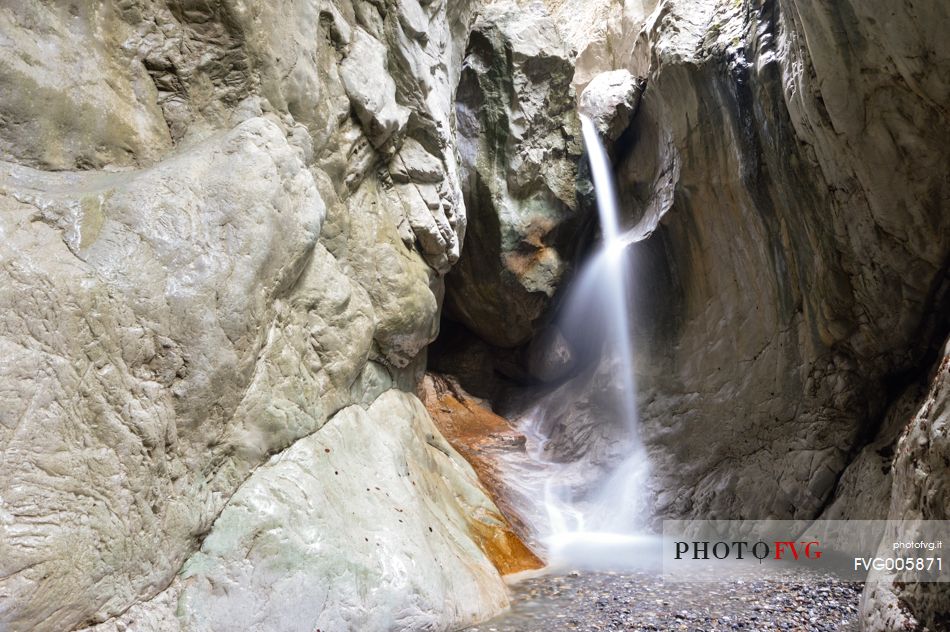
378 503
610 100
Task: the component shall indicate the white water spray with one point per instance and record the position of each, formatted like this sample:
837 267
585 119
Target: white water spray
604 529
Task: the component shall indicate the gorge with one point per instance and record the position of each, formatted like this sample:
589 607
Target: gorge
295 332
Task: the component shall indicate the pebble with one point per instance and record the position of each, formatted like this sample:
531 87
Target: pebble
610 602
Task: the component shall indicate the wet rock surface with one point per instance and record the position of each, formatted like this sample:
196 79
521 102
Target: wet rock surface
601 602
484 439
291 526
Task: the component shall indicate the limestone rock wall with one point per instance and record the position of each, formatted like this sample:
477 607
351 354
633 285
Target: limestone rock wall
131 350
225 232
794 160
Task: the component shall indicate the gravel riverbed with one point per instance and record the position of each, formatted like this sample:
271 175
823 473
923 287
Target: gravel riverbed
598 602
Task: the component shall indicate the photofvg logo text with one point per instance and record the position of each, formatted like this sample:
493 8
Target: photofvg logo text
743 550
851 550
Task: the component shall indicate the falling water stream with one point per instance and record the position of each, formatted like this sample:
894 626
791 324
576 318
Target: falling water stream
616 284
603 527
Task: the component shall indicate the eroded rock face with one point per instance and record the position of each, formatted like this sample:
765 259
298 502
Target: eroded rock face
921 491
75 97
519 141
243 240
131 344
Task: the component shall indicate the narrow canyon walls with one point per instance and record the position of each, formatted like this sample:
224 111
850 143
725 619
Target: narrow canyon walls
794 294
229 228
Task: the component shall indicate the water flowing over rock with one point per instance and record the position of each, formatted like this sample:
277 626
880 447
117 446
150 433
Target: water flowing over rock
487 441
793 159
792 220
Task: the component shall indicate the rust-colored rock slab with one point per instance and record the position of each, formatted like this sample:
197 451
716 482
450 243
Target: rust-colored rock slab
482 437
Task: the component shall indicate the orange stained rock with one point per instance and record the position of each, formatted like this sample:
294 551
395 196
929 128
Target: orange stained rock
477 434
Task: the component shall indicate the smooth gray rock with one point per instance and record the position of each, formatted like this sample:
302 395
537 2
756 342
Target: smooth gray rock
550 356
414 163
610 100
413 19
290 528
371 90
863 491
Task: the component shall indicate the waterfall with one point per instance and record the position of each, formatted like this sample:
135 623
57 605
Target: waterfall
614 273
601 526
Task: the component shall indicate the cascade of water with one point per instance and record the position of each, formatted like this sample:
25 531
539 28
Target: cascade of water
614 273
601 529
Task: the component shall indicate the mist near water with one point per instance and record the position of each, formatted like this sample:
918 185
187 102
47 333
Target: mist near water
603 526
